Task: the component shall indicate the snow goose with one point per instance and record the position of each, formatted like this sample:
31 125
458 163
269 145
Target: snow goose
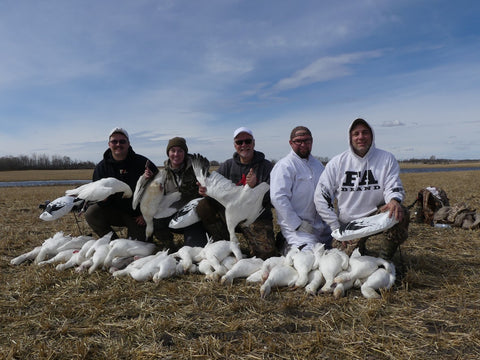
360 267
243 204
127 247
137 264
216 251
100 246
61 256
78 257
332 261
50 246
242 269
381 279
75 243
149 194
186 216
167 267
315 276
215 272
60 207
302 261
30 255
278 276
100 190
148 269
269 263
187 256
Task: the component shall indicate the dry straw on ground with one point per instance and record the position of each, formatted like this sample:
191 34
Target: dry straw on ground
432 312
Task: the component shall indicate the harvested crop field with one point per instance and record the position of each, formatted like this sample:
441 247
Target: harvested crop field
433 310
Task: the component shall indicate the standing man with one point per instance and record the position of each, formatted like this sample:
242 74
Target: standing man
246 167
292 187
121 162
364 180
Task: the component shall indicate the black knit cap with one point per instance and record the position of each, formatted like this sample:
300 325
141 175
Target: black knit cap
177 141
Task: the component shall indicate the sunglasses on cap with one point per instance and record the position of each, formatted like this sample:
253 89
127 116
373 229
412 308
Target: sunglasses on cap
246 141
121 141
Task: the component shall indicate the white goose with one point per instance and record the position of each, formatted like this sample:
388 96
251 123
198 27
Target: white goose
136 264
78 257
150 268
331 262
278 276
50 246
242 269
30 255
91 256
361 267
60 207
149 194
100 190
61 256
167 267
380 279
216 252
187 256
243 204
302 261
127 247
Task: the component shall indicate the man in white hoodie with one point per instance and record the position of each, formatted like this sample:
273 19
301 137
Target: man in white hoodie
292 185
364 180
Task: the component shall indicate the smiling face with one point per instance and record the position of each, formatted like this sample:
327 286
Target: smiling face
244 145
119 144
176 155
361 139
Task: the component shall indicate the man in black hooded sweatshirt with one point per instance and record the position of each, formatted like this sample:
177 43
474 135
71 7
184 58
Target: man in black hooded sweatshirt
121 162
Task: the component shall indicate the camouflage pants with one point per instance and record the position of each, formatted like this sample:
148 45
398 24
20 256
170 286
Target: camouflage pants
259 236
390 241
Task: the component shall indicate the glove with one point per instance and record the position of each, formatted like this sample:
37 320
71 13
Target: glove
305 227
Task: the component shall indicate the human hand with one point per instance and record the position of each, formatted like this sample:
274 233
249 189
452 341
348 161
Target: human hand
139 220
148 173
202 190
394 208
305 227
251 179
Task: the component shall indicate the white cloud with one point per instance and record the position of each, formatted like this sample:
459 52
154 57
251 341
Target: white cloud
324 69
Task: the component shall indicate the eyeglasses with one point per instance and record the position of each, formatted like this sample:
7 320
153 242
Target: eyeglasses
300 142
246 141
121 141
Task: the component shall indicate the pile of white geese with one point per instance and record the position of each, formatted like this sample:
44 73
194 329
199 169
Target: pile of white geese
317 271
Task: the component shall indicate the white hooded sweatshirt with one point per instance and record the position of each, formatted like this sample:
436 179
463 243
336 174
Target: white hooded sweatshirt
292 186
359 184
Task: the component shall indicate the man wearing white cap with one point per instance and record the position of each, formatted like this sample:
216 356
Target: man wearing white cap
247 166
121 162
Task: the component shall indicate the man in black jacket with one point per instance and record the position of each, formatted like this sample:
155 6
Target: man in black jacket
121 162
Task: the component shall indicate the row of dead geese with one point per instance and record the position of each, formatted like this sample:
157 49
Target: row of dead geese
317 270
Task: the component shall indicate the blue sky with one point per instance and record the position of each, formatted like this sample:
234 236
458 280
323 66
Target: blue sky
72 70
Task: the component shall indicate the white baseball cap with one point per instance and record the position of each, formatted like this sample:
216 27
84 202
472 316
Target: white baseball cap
242 129
120 131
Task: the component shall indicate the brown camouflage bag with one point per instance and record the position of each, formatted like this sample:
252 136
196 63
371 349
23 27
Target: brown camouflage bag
429 201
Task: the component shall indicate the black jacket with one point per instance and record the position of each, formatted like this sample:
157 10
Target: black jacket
128 171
